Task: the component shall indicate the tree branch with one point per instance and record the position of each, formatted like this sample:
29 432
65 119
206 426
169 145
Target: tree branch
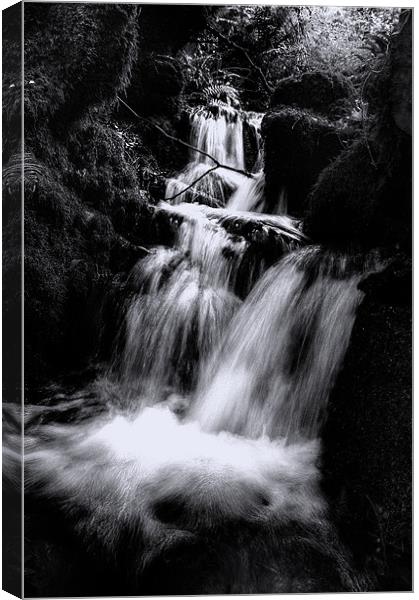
193 183
179 141
261 74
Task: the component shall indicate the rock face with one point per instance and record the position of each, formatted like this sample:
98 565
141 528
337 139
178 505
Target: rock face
298 146
368 436
353 200
364 199
321 92
401 75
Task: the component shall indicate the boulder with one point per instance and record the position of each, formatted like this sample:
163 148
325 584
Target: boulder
323 92
364 196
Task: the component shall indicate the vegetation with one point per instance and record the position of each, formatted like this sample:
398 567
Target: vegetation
252 47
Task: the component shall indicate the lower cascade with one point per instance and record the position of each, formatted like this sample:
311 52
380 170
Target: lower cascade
212 408
272 375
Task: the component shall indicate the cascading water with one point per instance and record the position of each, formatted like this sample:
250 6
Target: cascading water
219 136
223 395
185 296
184 301
282 351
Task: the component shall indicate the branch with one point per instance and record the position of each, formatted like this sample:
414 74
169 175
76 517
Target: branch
262 76
192 184
179 141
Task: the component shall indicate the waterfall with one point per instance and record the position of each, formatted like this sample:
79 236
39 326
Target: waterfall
220 136
184 301
283 350
211 410
184 296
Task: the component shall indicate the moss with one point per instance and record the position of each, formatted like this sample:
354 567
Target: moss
323 92
103 44
11 79
72 247
104 165
298 145
353 201
12 293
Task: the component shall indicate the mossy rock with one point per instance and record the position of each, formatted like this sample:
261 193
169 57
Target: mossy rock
70 250
298 145
353 201
103 44
11 79
320 91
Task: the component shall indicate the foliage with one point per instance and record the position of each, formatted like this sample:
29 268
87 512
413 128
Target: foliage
347 40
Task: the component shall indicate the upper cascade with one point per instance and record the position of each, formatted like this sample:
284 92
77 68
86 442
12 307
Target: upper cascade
219 136
217 130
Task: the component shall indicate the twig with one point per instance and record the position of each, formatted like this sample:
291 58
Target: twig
179 141
262 76
192 184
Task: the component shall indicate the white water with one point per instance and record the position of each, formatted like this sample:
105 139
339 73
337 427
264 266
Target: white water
153 458
222 138
185 300
282 351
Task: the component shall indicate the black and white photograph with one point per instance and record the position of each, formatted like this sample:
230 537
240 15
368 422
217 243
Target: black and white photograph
207 299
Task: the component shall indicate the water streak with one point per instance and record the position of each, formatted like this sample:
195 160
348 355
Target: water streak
184 301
